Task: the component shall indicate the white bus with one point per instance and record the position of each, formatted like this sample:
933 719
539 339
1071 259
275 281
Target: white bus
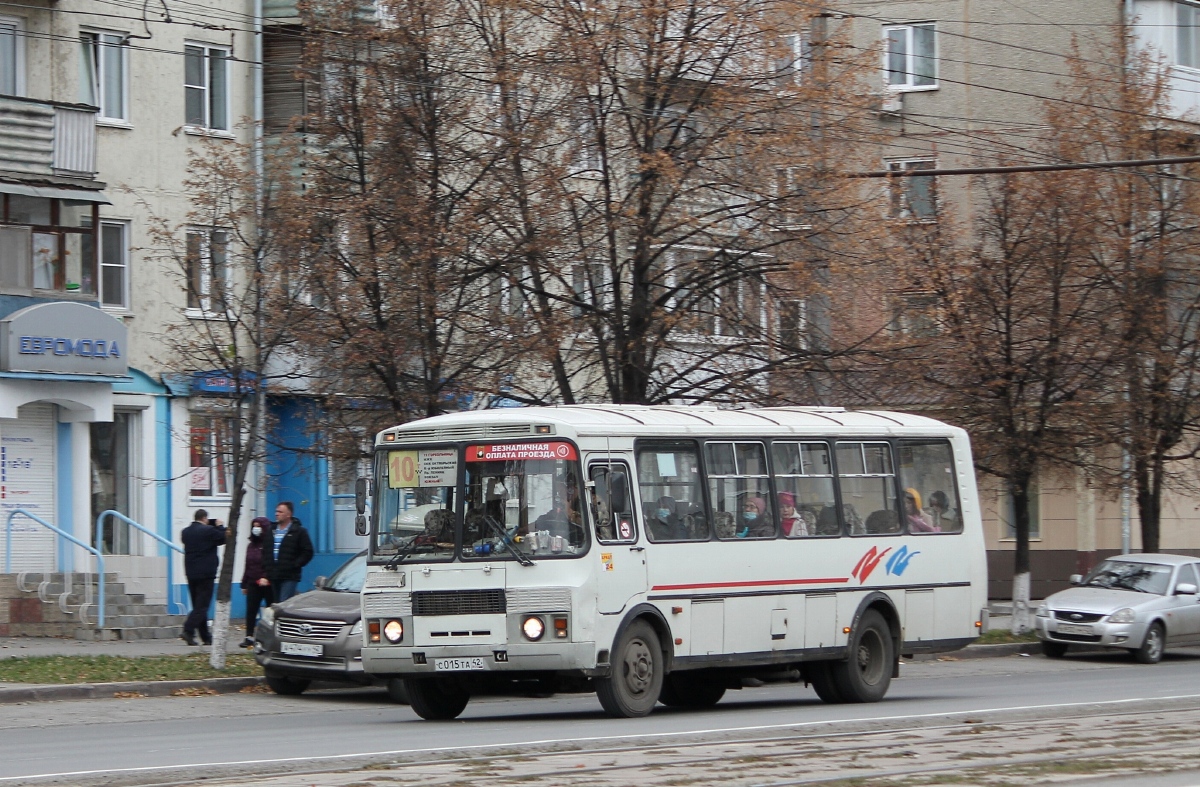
666 554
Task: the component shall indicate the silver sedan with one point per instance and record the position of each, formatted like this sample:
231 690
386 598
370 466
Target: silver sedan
1142 603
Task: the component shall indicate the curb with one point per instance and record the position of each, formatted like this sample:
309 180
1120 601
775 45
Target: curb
983 652
147 688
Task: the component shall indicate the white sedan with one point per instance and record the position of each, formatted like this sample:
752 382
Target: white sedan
1142 603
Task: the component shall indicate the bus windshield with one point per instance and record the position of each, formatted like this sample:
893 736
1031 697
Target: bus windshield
415 507
521 501
523 498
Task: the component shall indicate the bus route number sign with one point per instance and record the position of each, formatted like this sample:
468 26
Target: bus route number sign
510 452
432 467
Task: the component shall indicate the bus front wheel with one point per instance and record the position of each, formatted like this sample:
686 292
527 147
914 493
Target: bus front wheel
636 678
866 675
436 699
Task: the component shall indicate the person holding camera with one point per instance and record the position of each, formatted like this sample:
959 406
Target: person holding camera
200 562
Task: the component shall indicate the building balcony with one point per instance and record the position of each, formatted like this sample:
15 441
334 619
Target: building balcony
47 139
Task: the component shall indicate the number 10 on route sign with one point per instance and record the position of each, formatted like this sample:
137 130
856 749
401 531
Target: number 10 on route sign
408 469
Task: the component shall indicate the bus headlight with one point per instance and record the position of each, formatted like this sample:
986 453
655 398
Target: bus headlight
393 631
534 628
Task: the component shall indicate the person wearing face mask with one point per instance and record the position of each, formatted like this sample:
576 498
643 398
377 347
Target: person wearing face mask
255 585
756 523
665 523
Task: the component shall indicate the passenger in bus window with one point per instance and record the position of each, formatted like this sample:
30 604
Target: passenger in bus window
602 513
564 517
940 513
790 521
756 522
917 520
665 523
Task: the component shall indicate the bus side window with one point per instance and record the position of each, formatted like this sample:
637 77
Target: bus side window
927 468
668 476
612 508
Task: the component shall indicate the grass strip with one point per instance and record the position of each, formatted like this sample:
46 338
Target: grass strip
1002 636
115 669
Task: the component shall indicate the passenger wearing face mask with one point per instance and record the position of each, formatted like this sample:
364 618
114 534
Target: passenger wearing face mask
755 521
255 585
665 523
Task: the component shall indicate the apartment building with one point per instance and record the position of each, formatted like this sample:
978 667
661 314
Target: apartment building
961 83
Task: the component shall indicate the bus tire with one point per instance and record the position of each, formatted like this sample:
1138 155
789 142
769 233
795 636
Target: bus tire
685 690
436 699
636 678
866 675
820 677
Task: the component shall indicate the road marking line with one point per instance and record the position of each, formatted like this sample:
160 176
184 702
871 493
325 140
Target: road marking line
591 739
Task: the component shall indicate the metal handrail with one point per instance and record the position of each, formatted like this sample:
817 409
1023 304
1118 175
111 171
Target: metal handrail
170 563
63 534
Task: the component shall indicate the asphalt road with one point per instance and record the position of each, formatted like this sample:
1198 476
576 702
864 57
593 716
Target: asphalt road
181 739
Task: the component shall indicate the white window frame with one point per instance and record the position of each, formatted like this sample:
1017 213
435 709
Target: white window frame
1186 44
103 262
215 453
795 61
18 26
97 89
906 306
899 200
795 311
203 307
910 83
206 125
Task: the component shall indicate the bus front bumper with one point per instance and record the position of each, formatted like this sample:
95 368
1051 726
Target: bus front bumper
397 661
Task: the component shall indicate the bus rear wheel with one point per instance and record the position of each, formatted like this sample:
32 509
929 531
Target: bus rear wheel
866 675
686 690
635 681
436 699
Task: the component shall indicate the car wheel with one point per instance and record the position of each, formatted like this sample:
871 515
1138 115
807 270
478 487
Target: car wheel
866 675
636 679
1151 651
683 690
436 699
1053 650
820 677
288 686
397 691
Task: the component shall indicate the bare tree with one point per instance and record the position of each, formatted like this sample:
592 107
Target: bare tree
224 257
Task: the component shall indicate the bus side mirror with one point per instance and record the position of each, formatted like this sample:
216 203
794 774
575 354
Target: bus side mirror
619 490
362 487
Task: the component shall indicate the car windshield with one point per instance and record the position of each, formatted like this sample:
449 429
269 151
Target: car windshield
350 577
1129 575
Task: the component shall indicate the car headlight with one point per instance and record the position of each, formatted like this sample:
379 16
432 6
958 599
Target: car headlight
1043 610
393 631
356 628
1122 616
534 628
267 616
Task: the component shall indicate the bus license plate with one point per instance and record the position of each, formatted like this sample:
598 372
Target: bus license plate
1073 628
300 649
458 665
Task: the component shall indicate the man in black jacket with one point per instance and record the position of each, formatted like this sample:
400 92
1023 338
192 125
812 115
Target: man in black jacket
200 541
287 550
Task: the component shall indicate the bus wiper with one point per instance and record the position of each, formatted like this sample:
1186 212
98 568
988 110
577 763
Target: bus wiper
502 535
401 555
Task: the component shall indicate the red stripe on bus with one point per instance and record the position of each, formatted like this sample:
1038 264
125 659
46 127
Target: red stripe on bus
756 583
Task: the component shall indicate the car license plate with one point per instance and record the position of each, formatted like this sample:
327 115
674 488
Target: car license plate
1073 628
301 649
457 665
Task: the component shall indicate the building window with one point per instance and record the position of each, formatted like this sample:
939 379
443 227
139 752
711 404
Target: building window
795 58
207 271
1187 35
114 264
910 58
793 327
915 315
913 197
1008 512
206 86
12 57
47 245
211 455
103 77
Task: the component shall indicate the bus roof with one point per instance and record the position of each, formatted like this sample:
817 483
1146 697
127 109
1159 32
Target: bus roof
639 420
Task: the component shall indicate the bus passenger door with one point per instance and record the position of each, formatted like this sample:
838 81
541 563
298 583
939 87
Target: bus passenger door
621 577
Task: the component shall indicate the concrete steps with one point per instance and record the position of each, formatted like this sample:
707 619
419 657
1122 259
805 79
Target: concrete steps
127 616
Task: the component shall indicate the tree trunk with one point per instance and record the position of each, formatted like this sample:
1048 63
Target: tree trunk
1021 619
1148 475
